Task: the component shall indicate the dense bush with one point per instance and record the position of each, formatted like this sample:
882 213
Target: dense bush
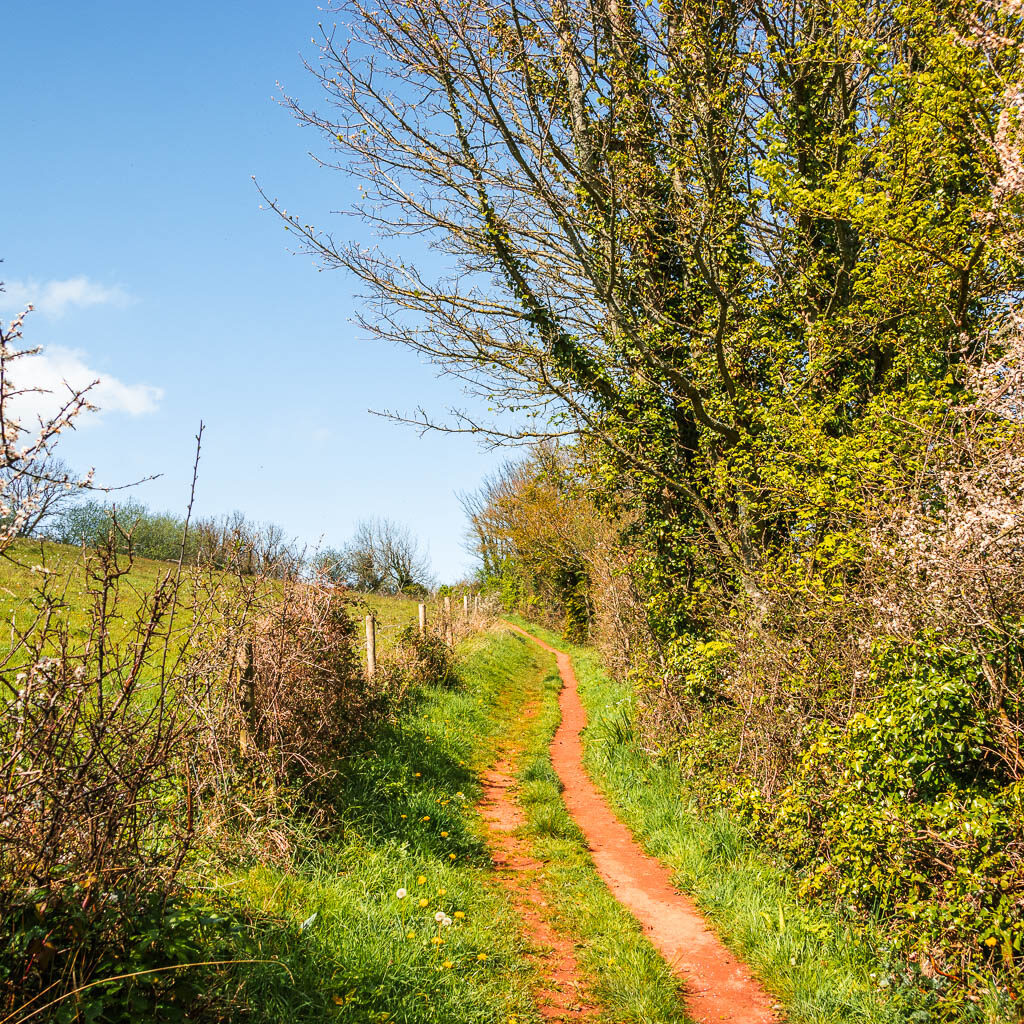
195 717
908 811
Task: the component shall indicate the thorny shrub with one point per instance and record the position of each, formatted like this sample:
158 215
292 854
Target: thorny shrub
417 659
192 718
28 473
97 806
198 719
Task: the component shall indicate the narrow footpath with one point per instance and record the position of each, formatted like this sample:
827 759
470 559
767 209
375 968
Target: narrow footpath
718 986
559 998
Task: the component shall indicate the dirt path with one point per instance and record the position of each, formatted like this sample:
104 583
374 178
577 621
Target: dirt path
719 987
560 998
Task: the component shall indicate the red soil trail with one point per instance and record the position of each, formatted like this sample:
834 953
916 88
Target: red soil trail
718 986
559 998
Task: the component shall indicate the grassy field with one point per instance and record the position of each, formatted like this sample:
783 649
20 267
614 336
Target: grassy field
65 572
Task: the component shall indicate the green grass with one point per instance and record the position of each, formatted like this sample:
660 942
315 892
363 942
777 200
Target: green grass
822 969
406 803
29 562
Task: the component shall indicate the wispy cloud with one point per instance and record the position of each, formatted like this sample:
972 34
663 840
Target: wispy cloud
55 298
56 369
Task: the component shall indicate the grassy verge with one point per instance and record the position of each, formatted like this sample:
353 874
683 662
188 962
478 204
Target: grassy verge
408 814
822 969
625 973
408 822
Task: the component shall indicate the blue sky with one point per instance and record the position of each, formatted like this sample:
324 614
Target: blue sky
128 214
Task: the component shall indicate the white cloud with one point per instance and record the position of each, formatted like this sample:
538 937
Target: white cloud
53 370
54 298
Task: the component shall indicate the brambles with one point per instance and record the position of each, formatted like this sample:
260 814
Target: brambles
415 660
137 750
97 789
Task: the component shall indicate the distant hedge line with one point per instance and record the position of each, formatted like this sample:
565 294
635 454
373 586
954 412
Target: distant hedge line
230 540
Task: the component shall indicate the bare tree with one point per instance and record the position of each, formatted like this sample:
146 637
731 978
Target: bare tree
382 557
31 479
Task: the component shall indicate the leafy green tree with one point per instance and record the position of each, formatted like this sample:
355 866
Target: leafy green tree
745 249
755 262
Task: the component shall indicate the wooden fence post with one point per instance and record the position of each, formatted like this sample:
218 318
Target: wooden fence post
247 678
423 620
371 647
448 620
465 606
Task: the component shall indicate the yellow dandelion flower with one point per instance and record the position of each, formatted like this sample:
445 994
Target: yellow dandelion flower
481 956
991 941
437 940
442 892
422 880
417 775
459 915
410 935
426 817
423 903
451 856
444 835
447 965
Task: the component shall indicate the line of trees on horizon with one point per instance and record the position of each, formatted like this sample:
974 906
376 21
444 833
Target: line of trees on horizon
382 556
